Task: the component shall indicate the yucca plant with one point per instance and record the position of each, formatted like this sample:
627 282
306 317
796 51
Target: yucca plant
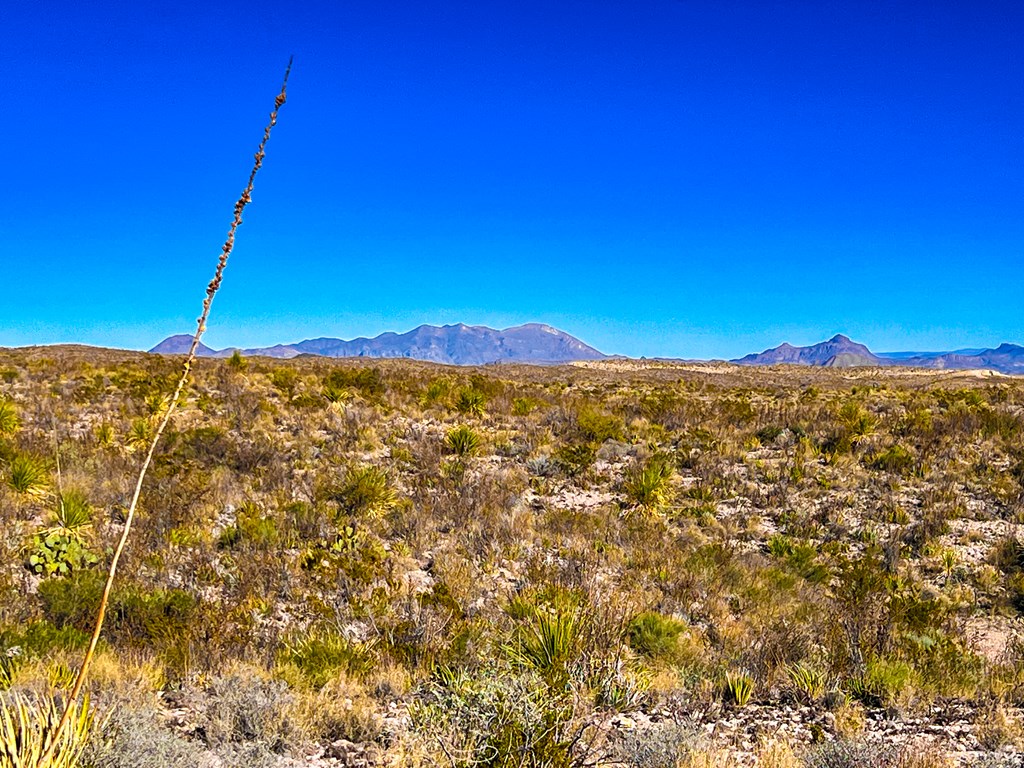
141 433
105 434
548 642
739 687
437 392
8 418
336 395
73 513
809 683
365 491
471 402
28 474
649 486
30 736
463 441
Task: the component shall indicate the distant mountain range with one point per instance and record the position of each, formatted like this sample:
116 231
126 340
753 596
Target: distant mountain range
452 344
840 352
536 343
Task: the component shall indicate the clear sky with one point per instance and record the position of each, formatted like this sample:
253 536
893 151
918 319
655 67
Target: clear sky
658 177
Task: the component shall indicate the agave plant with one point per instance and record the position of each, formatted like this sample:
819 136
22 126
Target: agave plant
28 726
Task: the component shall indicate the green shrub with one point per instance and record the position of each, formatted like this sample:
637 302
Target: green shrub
236 362
597 427
881 683
285 380
36 640
799 557
1007 555
160 620
321 656
767 435
368 382
655 636
523 406
500 718
895 459
575 459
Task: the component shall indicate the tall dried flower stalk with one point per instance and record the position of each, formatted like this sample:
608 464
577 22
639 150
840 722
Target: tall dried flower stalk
211 291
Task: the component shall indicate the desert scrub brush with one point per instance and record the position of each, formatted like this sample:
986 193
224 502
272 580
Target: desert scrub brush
46 759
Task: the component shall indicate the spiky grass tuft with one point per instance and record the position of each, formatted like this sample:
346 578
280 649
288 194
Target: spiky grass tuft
32 735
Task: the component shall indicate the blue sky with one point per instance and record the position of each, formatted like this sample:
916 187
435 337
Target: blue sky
658 177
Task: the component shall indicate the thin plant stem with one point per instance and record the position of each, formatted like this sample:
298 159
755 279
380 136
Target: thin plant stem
211 291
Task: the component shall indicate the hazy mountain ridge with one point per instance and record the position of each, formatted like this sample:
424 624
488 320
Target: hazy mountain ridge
841 352
451 344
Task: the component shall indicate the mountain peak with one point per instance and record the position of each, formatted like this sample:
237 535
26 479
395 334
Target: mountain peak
180 345
456 344
841 352
838 351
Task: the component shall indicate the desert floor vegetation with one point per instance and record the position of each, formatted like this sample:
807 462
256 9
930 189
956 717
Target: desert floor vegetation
622 563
